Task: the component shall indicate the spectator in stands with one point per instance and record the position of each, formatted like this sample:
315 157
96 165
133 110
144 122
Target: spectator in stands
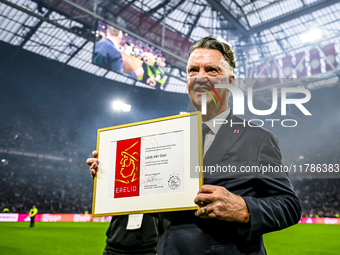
160 73
137 52
127 48
149 66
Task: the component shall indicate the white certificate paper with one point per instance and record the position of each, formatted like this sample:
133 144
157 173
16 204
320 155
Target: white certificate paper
162 162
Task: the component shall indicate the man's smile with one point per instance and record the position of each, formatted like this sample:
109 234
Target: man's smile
202 87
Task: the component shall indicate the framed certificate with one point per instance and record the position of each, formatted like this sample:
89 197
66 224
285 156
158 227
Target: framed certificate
149 166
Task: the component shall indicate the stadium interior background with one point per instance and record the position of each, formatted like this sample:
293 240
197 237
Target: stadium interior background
50 112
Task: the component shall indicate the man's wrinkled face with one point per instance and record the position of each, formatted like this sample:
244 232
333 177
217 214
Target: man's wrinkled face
207 67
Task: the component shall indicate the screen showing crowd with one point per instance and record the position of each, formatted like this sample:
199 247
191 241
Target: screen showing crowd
119 52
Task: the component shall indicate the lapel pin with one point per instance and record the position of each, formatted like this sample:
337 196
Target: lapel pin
236 131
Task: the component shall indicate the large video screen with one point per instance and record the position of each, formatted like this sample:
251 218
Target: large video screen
117 51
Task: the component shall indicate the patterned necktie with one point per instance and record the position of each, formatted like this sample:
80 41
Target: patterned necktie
205 130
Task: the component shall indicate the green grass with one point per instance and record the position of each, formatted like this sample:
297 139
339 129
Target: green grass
89 238
76 238
303 239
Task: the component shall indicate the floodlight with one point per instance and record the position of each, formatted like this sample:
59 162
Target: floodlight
120 106
126 108
312 35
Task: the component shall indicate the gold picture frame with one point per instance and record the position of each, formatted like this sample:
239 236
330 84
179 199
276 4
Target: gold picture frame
149 166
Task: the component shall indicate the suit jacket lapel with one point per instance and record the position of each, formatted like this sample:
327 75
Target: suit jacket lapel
224 140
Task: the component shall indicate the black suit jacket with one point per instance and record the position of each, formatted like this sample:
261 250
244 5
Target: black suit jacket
270 198
108 56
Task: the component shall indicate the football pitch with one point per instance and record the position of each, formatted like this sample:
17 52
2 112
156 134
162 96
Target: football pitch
89 238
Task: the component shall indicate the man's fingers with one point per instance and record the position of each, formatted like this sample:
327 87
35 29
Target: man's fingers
199 212
93 172
90 161
209 194
205 194
205 212
93 163
203 198
94 166
94 169
207 189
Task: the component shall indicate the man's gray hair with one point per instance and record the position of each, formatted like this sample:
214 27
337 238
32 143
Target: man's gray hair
214 44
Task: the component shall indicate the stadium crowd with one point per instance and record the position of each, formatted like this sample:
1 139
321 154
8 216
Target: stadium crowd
52 185
318 197
34 134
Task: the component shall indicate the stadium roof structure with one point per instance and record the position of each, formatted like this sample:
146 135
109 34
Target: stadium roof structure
264 34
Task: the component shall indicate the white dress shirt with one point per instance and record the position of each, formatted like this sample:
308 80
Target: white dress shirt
210 136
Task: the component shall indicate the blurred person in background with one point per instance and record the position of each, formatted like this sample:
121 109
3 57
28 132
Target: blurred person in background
149 67
160 73
32 214
108 55
137 52
127 48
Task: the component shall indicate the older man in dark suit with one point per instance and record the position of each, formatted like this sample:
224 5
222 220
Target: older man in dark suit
236 208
